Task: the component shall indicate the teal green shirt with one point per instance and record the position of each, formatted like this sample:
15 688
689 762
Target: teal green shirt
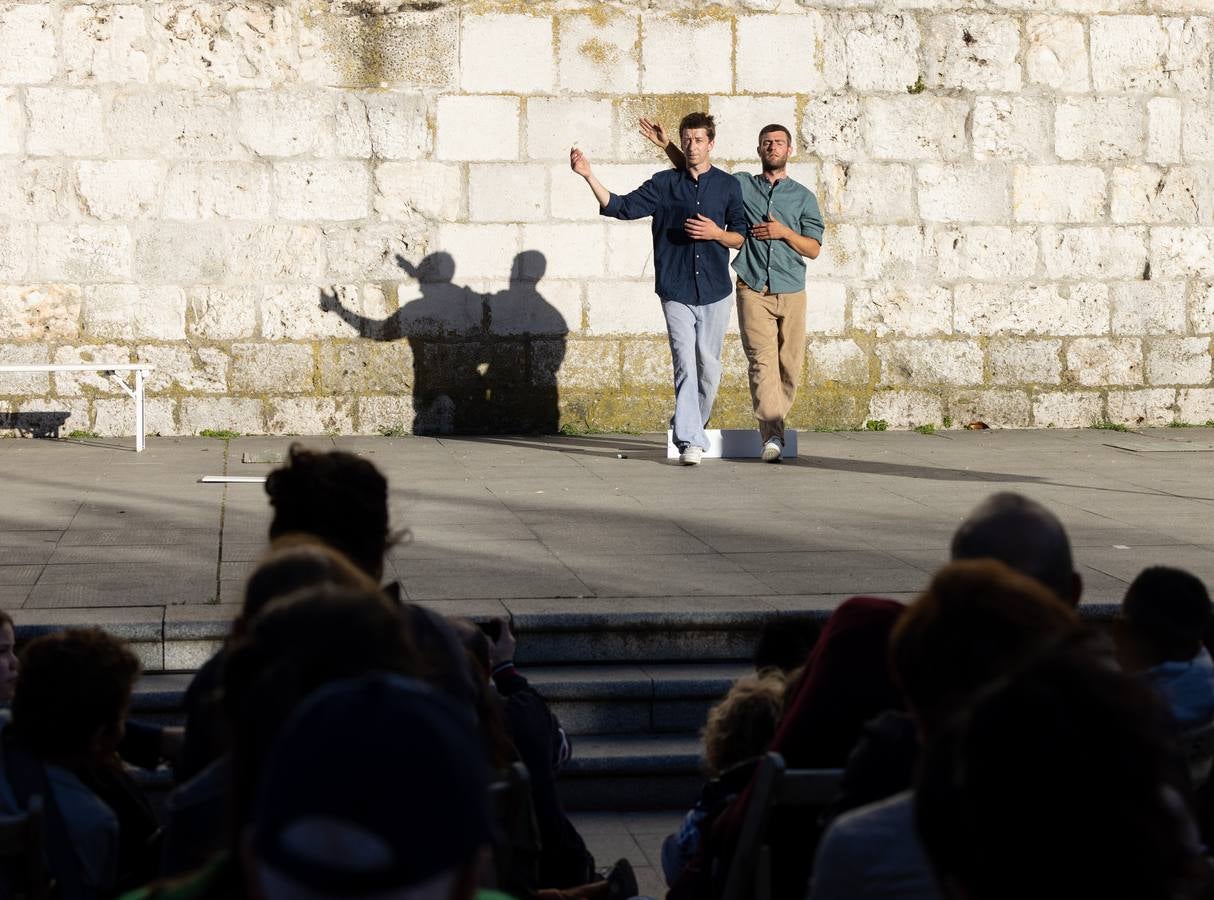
773 265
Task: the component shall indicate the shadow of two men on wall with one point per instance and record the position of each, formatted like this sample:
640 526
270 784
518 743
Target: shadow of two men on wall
483 363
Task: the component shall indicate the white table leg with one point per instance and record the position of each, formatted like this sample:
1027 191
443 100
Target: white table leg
139 410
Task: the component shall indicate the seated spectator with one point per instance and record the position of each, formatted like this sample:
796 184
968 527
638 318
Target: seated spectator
1054 785
784 643
739 729
976 622
1159 631
9 664
67 721
844 684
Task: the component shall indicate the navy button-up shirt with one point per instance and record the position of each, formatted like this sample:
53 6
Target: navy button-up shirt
689 271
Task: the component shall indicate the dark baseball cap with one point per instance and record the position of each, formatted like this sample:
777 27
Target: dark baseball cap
374 784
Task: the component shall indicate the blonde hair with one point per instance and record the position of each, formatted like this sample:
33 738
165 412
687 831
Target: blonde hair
743 724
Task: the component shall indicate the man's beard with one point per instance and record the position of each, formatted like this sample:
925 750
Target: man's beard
774 166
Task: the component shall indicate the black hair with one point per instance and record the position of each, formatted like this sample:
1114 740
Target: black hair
1168 609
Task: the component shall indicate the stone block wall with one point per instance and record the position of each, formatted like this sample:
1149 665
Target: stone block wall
358 217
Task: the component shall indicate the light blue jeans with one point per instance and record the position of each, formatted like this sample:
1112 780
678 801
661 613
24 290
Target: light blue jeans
696 334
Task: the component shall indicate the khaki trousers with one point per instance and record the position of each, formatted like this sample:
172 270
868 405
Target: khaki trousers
773 336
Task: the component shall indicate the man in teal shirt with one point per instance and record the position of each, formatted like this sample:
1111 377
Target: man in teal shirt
785 227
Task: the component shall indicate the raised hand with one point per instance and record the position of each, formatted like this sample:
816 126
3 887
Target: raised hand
770 230
654 132
702 228
578 162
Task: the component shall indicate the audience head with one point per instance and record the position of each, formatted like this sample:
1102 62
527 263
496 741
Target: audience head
1163 617
785 643
294 646
297 561
975 622
73 695
337 496
375 787
9 664
742 725
1053 784
1026 536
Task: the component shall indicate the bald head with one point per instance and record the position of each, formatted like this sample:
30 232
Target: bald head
1024 535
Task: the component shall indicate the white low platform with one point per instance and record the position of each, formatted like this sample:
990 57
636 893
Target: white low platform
735 443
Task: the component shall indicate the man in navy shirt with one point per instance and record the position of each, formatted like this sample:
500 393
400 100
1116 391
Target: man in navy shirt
691 209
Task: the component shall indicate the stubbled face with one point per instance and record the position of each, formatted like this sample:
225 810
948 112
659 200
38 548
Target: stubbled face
696 145
8 664
774 150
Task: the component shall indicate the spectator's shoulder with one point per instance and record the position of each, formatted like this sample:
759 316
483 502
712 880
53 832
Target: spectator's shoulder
877 821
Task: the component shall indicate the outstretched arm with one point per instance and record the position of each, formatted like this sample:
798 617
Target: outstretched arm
581 165
657 135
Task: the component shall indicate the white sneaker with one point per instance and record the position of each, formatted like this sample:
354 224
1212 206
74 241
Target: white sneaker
691 455
773 449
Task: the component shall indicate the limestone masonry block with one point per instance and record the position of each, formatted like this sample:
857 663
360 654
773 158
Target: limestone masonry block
842 361
985 252
180 253
1031 309
547 307
1014 361
1148 307
973 51
554 124
629 250
920 126
867 192
221 413
35 190
1067 409
377 415
507 53
369 252
27 33
739 120
117 417
998 409
1059 193
392 125
570 198
432 190
598 56
667 109
380 48
1182 252
568 251
842 253
293 312
65 122
1146 54
930 362
1195 405
1012 128
793 40
203 370
329 190
223 190
119 189
647 363
15 250
12 122
589 365
1101 252
882 50
222 314
1201 308
1146 409
40 312
280 368
125 312
624 307
309 415
1096 362
897 252
508 193
76 384
1056 55
832 127
478 128
173 125
906 409
964 192
1177 195
825 307
1163 130
1178 361
902 309
697 55
84 252
274 251
1099 128
1197 132
437 309
235 44
480 251
105 44
286 123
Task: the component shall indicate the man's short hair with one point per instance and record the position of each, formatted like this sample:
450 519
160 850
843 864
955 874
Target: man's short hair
1169 609
767 129
73 684
699 120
